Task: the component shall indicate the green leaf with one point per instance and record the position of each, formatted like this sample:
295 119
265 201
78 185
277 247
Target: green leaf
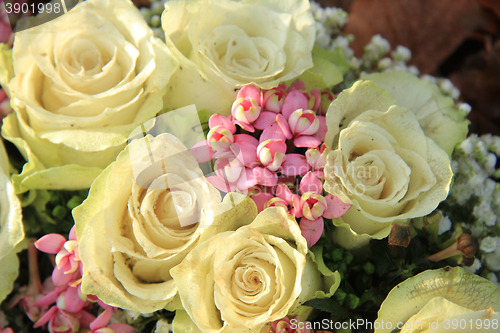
329 305
336 57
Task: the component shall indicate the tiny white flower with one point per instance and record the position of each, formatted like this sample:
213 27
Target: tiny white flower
385 63
475 266
489 244
162 326
429 78
466 146
414 70
444 225
465 108
492 261
401 53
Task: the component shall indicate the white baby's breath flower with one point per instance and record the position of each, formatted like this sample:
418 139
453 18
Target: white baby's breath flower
489 244
474 267
466 146
465 108
444 225
162 326
401 53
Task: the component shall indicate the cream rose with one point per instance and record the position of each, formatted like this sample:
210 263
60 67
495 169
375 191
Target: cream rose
139 220
243 275
80 84
11 228
441 301
436 113
385 167
223 45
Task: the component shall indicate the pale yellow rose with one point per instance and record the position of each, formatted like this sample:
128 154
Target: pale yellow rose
246 272
11 228
139 220
223 45
386 168
441 301
80 84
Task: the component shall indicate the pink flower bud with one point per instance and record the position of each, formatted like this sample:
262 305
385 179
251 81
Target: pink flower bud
284 326
271 153
59 321
273 99
317 158
313 205
220 138
303 122
245 111
229 168
276 202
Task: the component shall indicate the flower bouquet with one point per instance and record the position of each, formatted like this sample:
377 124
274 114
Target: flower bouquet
231 166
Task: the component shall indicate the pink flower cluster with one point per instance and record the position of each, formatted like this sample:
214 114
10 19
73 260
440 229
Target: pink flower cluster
59 303
272 140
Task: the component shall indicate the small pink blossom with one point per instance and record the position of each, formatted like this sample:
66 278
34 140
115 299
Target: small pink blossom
317 157
68 265
273 99
284 326
312 206
313 97
220 138
277 202
100 324
59 321
271 153
246 108
303 125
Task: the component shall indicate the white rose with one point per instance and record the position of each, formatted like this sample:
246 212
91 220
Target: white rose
441 301
246 271
140 220
223 45
81 84
384 166
11 228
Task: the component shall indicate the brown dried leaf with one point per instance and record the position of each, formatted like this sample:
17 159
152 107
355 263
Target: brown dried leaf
492 4
431 29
